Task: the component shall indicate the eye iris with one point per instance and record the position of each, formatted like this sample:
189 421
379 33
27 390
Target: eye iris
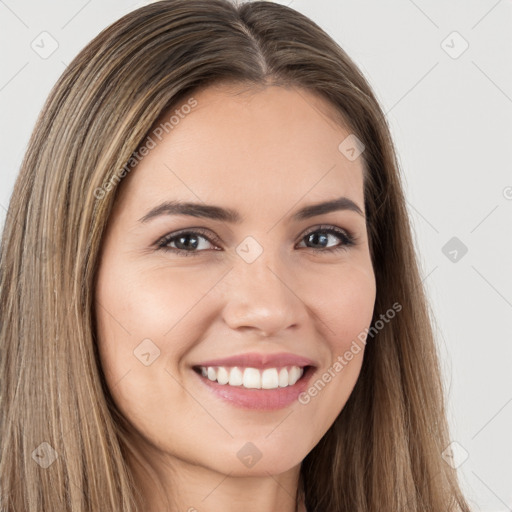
315 237
193 245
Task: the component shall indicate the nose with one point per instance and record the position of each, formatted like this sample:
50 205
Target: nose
260 296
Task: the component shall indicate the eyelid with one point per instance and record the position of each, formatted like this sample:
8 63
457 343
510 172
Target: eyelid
326 227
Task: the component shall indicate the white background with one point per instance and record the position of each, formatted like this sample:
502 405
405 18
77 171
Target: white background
451 119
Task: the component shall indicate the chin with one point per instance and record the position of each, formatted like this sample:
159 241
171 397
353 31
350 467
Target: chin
252 458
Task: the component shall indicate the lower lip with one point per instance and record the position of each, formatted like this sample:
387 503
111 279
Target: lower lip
259 399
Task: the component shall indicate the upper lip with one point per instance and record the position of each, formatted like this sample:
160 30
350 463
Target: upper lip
256 360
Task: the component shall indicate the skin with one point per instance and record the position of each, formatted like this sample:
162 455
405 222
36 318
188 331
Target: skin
265 152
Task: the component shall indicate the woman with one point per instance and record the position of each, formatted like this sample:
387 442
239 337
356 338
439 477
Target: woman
289 363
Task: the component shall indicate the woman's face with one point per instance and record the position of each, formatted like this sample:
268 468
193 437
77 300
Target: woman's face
281 294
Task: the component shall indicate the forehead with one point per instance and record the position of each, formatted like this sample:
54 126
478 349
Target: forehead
248 145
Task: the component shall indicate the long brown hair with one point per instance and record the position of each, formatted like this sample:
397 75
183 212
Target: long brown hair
383 452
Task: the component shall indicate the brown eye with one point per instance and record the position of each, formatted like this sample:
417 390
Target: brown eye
321 235
186 242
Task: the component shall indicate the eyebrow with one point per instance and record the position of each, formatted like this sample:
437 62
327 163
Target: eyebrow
232 216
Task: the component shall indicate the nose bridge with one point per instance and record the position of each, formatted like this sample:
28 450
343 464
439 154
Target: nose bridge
259 293
261 269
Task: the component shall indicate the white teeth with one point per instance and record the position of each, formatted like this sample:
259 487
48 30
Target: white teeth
222 375
269 379
236 377
283 378
253 378
212 374
294 375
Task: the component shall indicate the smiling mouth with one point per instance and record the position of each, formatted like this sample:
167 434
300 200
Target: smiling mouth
254 378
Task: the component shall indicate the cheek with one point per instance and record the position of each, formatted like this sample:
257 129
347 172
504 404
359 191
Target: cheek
153 311
138 303
142 334
345 305
344 312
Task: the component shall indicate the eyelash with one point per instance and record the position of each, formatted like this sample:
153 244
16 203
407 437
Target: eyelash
348 238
